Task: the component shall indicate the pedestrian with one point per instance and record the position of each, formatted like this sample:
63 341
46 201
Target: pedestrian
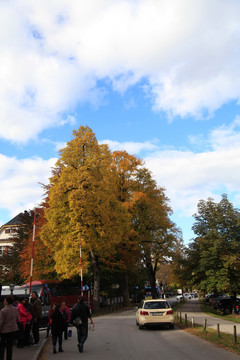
8 327
79 316
15 304
58 326
22 312
66 315
36 316
49 325
28 338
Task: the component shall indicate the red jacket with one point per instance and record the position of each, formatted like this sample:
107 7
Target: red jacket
23 316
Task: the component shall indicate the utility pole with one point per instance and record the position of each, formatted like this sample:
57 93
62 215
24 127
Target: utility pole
33 240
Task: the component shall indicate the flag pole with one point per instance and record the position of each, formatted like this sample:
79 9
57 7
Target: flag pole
33 240
81 272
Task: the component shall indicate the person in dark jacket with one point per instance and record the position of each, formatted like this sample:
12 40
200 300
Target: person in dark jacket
82 311
58 326
66 314
8 327
36 316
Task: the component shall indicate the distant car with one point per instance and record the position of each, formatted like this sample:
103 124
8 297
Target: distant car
154 312
187 296
179 297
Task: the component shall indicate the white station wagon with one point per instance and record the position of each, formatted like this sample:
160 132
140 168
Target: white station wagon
154 312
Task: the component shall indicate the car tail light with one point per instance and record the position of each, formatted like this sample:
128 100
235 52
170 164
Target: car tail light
143 312
169 312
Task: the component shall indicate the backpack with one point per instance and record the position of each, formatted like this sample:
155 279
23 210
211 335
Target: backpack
78 321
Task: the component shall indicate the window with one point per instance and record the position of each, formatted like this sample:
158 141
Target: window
156 305
10 231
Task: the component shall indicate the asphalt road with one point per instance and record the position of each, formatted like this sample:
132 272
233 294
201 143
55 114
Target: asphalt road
116 337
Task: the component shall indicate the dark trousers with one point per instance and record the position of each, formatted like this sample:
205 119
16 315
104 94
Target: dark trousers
82 332
35 330
6 342
27 334
55 338
66 331
20 336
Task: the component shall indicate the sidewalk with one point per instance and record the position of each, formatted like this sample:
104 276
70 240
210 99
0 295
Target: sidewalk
30 352
193 310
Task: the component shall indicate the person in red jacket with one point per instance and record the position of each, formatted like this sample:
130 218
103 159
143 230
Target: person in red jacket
23 317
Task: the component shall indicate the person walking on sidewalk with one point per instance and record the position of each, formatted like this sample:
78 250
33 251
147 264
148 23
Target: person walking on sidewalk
23 316
8 327
58 326
28 327
66 315
36 316
79 317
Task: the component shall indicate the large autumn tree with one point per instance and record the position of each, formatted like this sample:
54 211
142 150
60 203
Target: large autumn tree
125 167
43 262
158 237
82 202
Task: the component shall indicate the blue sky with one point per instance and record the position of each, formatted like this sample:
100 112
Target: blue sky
160 79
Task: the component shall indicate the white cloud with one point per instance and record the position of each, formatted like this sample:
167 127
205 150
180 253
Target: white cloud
190 176
56 51
20 182
131 147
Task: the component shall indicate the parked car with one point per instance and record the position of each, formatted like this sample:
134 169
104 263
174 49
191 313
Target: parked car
154 312
187 296
194 295
179 297
228 305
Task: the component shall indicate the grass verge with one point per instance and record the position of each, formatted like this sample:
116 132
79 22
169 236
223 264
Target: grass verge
210 311
225 341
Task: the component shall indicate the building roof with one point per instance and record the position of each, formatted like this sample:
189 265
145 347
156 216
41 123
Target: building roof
17 220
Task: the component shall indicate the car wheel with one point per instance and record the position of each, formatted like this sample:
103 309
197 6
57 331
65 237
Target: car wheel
227 311
171 326
136 323
141 327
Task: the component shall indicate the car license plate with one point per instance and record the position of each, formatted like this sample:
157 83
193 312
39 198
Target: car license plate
157 314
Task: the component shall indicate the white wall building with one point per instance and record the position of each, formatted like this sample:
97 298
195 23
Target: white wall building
8 231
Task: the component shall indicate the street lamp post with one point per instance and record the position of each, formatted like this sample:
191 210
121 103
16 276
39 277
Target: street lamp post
11 286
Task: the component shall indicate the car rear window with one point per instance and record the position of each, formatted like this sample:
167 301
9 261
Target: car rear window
156 305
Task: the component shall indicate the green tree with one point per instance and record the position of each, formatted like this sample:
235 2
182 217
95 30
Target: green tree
214 254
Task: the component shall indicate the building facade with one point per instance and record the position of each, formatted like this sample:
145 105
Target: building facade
8 231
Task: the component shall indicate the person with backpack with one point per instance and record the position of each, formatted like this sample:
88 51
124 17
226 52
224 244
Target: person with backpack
79 317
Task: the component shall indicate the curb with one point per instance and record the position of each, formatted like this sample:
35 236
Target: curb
40 350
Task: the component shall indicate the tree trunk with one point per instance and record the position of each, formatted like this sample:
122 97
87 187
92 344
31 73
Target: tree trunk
96 282
152 279
125 288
